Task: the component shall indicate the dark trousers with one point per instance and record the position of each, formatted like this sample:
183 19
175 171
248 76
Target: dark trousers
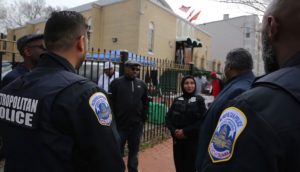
184 152
133 137
1 149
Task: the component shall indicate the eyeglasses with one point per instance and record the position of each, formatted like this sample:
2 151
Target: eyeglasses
135 69
37 46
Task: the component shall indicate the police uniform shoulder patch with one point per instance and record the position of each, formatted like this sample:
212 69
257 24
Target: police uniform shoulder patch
192 99
180 98
231 124
98 102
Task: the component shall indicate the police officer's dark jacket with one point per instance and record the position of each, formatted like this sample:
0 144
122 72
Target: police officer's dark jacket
268 136
49 122
18 71
233 88
129 101
185 113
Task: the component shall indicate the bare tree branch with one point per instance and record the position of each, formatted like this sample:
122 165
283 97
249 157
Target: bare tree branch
2 15
19 12
2 10
259 6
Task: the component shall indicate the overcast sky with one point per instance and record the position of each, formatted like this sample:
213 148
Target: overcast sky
210 9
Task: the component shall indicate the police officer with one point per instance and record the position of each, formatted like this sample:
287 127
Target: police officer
54 120
260 130
183 120
30 47
239 77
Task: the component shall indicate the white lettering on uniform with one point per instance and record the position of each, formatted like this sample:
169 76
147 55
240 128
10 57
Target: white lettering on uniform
28 106
2 112
18 110
20 117
19 106
28 119
11 100
7 114
1 98
15 102
25 103
7 100
12 117
34 106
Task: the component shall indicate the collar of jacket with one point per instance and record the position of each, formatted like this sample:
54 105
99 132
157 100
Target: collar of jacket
293 61
22 68
188 95
128 78
52 60
246 74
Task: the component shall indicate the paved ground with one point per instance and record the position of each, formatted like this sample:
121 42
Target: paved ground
1 166
158 158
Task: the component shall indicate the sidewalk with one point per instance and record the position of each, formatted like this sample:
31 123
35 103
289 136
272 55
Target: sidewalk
158 158
1 166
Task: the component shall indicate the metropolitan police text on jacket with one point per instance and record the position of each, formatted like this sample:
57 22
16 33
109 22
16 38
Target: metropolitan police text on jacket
19 110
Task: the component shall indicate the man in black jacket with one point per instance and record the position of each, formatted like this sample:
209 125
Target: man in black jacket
130 106
260 130
52 119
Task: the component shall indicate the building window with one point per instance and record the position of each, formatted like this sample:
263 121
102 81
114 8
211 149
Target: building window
219 67
38 31
151 37
247 32
89 32
214 66
202 63
185 29
179 29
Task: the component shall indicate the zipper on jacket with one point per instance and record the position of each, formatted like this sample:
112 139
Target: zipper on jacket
132 87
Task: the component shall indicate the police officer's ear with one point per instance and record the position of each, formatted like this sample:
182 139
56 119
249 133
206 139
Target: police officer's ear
27 52
81 44
272 28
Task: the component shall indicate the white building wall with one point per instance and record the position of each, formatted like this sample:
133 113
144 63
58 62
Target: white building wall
239 32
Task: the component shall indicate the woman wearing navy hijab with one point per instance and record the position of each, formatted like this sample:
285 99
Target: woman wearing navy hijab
183 120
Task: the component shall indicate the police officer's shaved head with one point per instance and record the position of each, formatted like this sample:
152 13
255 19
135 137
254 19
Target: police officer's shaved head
287 14
281 36
63 29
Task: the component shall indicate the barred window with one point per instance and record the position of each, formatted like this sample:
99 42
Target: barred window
151 37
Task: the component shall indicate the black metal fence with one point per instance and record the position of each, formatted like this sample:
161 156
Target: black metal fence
161 76
8 57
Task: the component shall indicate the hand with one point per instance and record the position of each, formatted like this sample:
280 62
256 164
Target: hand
179 134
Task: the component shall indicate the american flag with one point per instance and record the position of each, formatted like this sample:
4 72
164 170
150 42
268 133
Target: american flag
195 16
184 8
190 14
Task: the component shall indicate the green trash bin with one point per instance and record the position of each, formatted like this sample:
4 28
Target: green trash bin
157 113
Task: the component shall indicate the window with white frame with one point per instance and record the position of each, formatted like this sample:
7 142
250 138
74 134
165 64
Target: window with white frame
247 32
151 37
178 28
89 30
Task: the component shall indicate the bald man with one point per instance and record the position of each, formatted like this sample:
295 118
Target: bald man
260 130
